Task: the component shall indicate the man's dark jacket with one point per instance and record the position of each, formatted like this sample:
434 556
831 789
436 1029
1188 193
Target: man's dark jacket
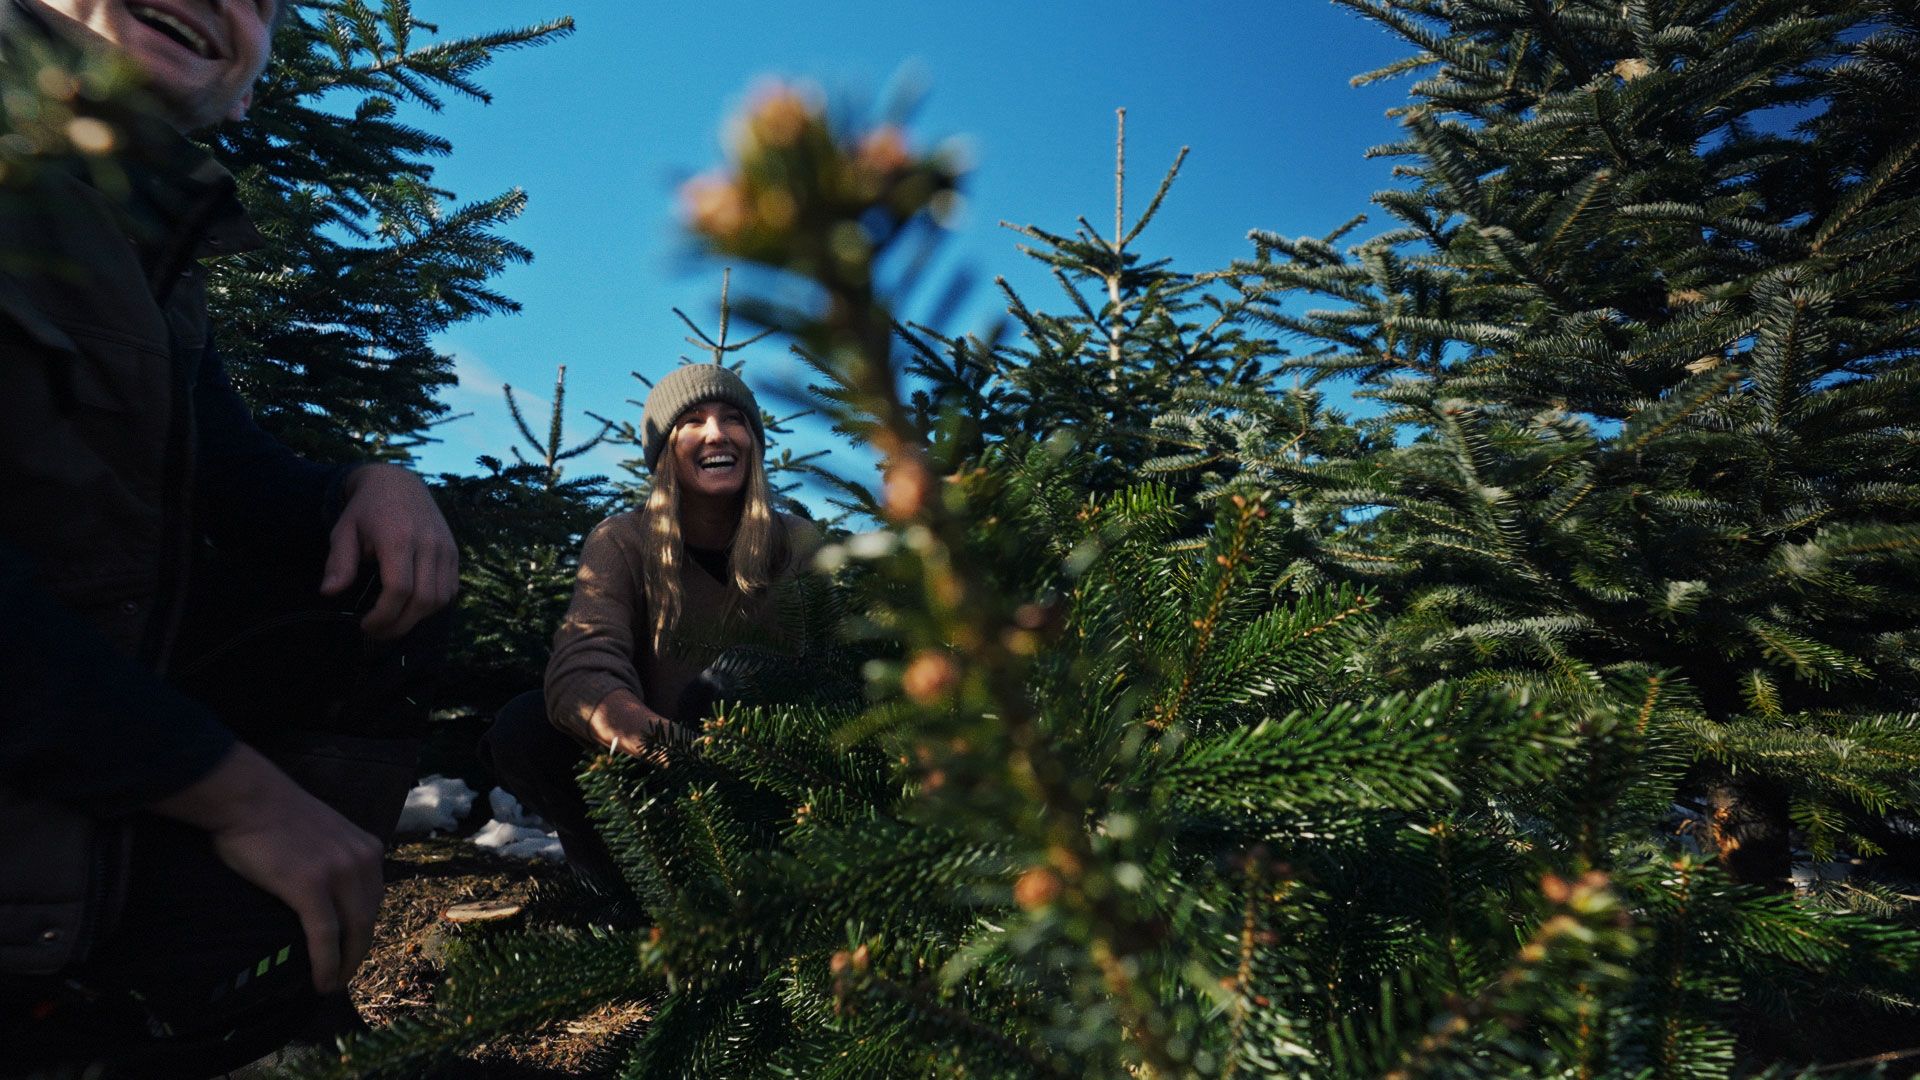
123 447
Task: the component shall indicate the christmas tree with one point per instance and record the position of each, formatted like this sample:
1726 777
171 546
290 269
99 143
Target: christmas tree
1137 790
1644 328
1137 336
328 331
521 523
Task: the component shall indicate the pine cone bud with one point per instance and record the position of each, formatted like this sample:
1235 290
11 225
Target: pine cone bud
777 119
1556 889
930 678
90 136
715 206
883 152
1037 888
1036 616
775 209
908 486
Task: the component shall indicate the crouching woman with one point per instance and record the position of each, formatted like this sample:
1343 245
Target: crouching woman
660 594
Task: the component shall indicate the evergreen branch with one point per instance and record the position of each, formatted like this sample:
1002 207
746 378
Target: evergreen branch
558 975
1573 209
1230 562
1811 660
1566 938
445 62
1655 421
1394 70
1159 196
1865 192
959 1027
1389 754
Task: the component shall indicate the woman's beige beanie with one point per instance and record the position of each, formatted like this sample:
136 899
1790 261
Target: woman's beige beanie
684 387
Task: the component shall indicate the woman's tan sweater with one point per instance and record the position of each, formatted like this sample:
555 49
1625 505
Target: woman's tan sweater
605 643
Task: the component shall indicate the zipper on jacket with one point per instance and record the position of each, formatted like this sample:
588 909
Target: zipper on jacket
102 861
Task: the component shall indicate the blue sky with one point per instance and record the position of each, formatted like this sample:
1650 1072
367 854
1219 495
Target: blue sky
601 127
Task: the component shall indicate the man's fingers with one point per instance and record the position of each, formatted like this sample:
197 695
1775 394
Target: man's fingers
426 590
350 896
409 604
270 832
358 907
432 585
440 574
323 942
396 590
391 518
343 557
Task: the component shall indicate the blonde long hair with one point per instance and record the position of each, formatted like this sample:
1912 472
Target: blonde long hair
759 550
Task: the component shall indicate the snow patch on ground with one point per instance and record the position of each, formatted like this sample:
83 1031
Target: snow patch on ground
508 809
436 805
514 832
518 841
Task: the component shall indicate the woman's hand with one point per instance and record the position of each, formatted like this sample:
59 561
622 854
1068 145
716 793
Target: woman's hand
624 725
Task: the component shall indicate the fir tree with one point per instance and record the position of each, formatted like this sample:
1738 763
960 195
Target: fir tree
521 525
1136 335
329 331
1131 800
1645 324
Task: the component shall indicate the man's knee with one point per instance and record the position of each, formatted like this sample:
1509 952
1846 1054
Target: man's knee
268 655
364 779
203 972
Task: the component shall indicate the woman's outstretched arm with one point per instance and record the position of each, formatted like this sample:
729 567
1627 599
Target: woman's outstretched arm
593 686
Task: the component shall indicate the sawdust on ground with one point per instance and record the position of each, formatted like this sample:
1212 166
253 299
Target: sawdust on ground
424 879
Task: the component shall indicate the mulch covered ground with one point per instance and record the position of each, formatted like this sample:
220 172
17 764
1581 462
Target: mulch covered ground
425 878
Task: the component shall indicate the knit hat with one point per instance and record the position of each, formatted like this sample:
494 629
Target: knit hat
684 387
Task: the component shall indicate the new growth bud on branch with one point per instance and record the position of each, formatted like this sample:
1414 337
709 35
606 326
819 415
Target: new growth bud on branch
798 194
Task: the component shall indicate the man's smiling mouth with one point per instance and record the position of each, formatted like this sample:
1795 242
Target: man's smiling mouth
177 29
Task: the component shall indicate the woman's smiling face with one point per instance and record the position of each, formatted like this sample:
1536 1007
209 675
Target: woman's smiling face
712 444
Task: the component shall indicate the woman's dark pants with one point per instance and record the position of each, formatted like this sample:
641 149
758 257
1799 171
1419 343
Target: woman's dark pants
538 764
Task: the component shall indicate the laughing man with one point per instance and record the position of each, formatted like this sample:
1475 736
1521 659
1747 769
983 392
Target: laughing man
172 901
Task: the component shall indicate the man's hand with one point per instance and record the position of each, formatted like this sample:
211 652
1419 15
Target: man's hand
623 723
392 520
267 829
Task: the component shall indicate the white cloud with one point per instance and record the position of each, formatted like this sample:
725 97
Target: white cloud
481 389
